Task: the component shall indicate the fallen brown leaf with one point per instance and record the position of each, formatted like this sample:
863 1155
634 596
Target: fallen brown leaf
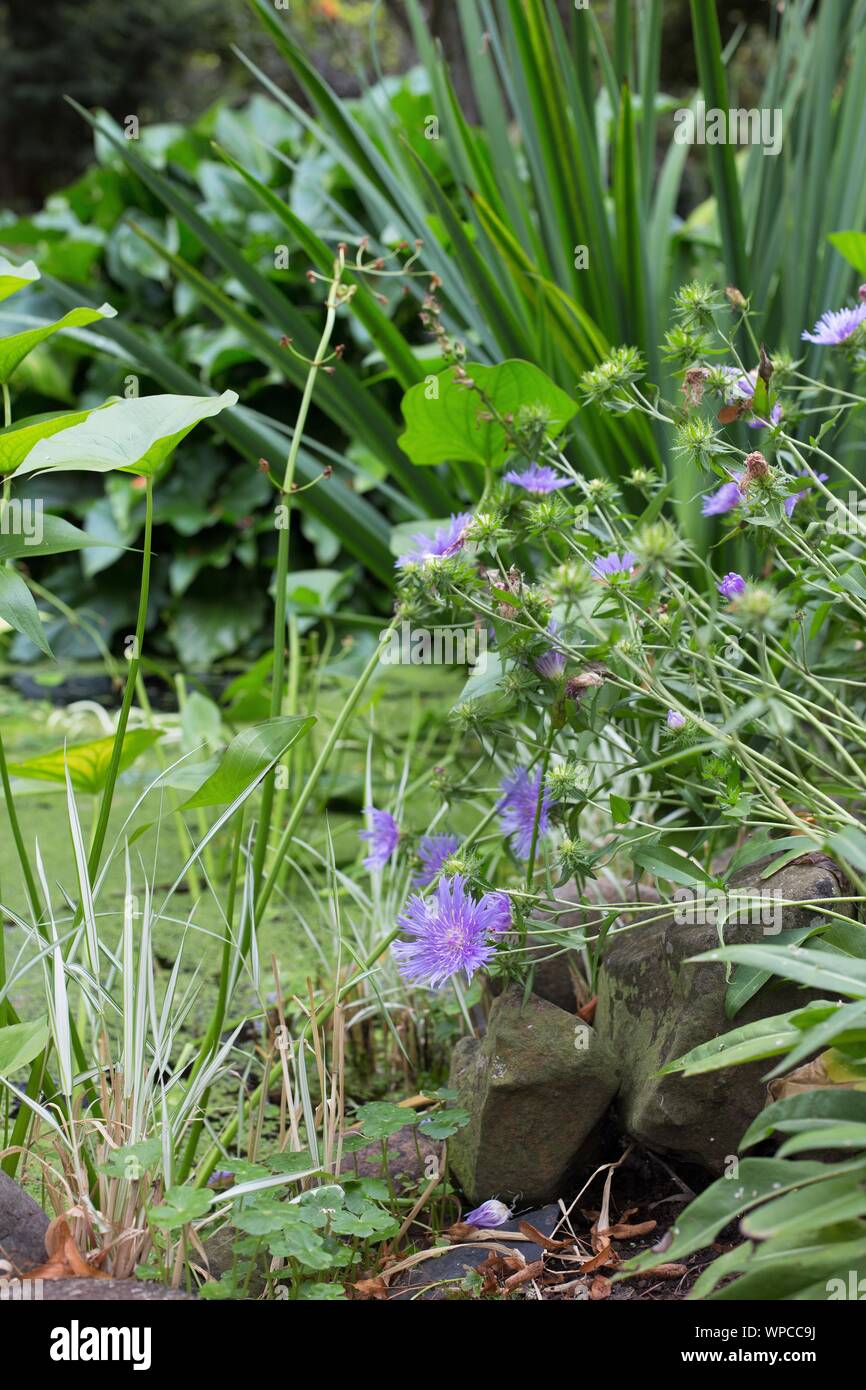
599 1288
622 1231
523 1276
65 1260
371 1288
587 1013
662 1272
546 1242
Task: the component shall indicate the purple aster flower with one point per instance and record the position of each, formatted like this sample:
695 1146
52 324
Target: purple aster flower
775 416
732 585
724 499
383 836
551 663
538 479
836 325
609 566
500 903
449 932
518 807
447 541
792 500
433 850
489 1214
675 720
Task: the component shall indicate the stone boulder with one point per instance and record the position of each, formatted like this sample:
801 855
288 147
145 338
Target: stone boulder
537 1087
654 1006
23 1224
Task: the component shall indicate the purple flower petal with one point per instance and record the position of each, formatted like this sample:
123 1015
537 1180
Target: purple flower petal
538 479
433 850
724 499
489 1214
447 541
609 566
675 720
518 807
836 325
449 932
732 585
382 835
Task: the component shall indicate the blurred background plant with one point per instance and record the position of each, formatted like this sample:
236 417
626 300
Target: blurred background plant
202 231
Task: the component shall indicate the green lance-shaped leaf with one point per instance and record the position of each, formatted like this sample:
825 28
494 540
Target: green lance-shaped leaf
135 436
248 757
442 419
20 1043
851 245
16 442
18 609
50 535
88 763
14 349
15 277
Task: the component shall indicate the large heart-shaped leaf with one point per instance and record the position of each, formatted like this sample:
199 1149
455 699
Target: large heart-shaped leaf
442 417
15 444
247 758
15 277
14 349
20 1043
134 436
88 763
18 608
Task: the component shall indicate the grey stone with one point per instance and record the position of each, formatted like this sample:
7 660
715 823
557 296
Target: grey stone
111 1291
653 1007
536 1086
23 1224
441 1277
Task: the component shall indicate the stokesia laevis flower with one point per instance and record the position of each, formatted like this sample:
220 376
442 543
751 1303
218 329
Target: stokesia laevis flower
538 479
382 835
551 663
614 566
449 932
836 326
675 720
433 850
446 541
518 807
724 499
489 1214
732 585
792 500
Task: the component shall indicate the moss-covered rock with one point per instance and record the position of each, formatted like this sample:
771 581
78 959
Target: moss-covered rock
654 1006
536 1086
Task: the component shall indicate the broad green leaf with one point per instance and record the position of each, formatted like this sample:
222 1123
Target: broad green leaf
850 1135
248 757
849 844
851 245
730 1198
620 809
181 1205
442 421
15 348
15 277
132 1161
381 1118
807 1110
134 436
810 1209
20 1043
18 608
765 1038
666 863
16 443
57 537
748 980
823 970
88 763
